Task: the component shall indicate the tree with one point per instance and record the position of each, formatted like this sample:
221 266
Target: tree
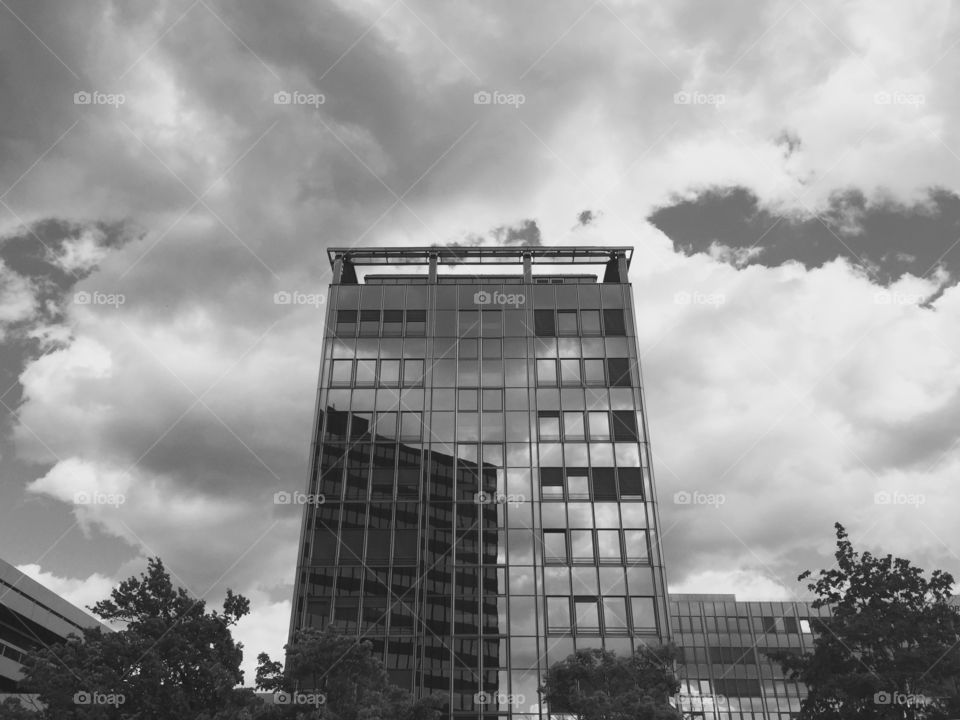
343 678
890 646
171 659
598 685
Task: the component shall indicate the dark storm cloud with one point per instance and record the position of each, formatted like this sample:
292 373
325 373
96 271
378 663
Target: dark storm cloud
885 238
31 256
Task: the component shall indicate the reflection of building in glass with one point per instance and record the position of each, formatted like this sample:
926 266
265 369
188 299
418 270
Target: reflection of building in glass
727 673
482 449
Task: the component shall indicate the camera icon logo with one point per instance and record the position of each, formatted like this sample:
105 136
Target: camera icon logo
281 98
81 298
882 698
281 298
282 497
482 297
681 498
681 98
482 97
82 98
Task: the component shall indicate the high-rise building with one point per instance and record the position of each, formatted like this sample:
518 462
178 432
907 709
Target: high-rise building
480 500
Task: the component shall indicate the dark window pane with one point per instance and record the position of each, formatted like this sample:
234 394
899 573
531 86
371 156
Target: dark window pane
613 323
618 372
544 323
624 425
604 484
631 482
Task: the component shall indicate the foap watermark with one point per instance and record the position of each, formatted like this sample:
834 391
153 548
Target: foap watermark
885 297
695 97
485 97
86 697
887 497
99 498
497 498
99 298
84 97
282 497
695 702
898 698
299 698
498 698
695 497
698 298
885 97
298 298
283 97
483 297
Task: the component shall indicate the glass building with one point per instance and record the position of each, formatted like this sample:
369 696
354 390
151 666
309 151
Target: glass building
727 674
480 447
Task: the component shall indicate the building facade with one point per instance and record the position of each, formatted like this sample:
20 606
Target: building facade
484 501
727 674
31 617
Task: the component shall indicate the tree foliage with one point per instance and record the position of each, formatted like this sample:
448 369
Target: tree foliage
598 685
352 681
890 646
170 659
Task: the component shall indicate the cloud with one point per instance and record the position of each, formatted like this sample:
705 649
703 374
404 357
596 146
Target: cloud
888 239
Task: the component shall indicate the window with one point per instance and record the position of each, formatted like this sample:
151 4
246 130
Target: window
581 545
492 323
631 482
570 372
587 612
558 614
546 372
608 546
393 323
805 626
618 372
467 399
555 545
578 484
613 322
492 400
593 372
590 322
544 323
636 544
412 372
599 425
467 348
567 322
624 425
604 484
346 323
644 614
573 425
615 613
390 372
369 322
416 322
491 348
342 372
411 427
366 371
549 423
551 482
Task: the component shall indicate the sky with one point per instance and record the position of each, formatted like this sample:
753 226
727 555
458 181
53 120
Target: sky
786 172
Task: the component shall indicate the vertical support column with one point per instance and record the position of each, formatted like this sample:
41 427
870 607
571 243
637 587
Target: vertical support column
527 268
433 268
337 270
622 266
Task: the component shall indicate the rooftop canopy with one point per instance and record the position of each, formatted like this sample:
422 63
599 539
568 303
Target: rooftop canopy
345 260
